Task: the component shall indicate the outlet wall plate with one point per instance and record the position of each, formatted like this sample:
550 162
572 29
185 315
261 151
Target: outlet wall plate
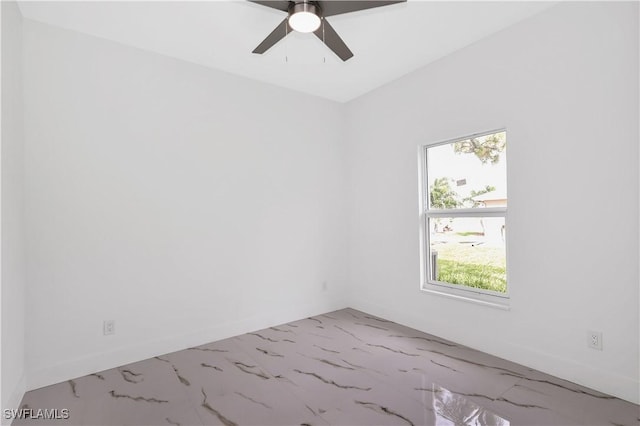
109 327
594 340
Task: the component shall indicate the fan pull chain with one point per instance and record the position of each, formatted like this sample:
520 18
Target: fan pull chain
286 43
324 57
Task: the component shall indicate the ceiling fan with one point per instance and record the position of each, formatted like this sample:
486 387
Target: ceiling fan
308 16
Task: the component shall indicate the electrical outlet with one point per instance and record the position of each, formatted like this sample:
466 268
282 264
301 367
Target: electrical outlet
109 327
594 340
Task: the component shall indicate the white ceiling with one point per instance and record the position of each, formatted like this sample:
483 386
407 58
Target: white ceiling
387 42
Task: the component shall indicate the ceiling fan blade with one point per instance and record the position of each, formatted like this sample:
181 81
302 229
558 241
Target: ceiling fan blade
282 5
276 35
330 37
337 7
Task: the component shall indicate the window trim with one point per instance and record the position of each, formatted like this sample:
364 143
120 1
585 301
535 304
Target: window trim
456 291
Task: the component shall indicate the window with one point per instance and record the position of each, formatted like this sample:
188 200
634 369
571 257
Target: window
463 201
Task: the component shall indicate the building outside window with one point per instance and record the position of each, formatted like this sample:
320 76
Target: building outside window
463 204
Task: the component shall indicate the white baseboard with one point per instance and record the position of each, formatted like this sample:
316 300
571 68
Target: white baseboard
132 353
623 387
13 402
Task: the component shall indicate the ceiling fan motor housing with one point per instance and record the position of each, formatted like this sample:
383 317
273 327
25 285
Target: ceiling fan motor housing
305 6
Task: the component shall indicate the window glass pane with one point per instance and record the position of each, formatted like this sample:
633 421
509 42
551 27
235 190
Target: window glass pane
469 251
468 173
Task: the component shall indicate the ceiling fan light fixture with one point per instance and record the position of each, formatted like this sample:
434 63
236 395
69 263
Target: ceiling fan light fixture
304 18
310 16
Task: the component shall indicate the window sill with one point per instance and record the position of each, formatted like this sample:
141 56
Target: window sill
502 303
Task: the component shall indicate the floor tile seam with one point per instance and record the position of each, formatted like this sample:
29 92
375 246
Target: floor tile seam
406 393
556 412
191 402
184 396
195 409
283 389
361 371
86 400
179 383
509 388
194 403
280 386
473 398
185 403
427 357
388 384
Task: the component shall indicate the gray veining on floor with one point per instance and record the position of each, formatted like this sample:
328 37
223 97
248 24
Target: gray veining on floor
342 368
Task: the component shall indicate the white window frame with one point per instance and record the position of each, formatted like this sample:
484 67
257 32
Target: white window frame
456 291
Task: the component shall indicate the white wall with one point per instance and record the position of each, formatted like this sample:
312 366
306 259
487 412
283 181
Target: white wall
565 85
13 260
185 203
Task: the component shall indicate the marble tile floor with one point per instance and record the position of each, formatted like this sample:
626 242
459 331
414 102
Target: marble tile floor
341 368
